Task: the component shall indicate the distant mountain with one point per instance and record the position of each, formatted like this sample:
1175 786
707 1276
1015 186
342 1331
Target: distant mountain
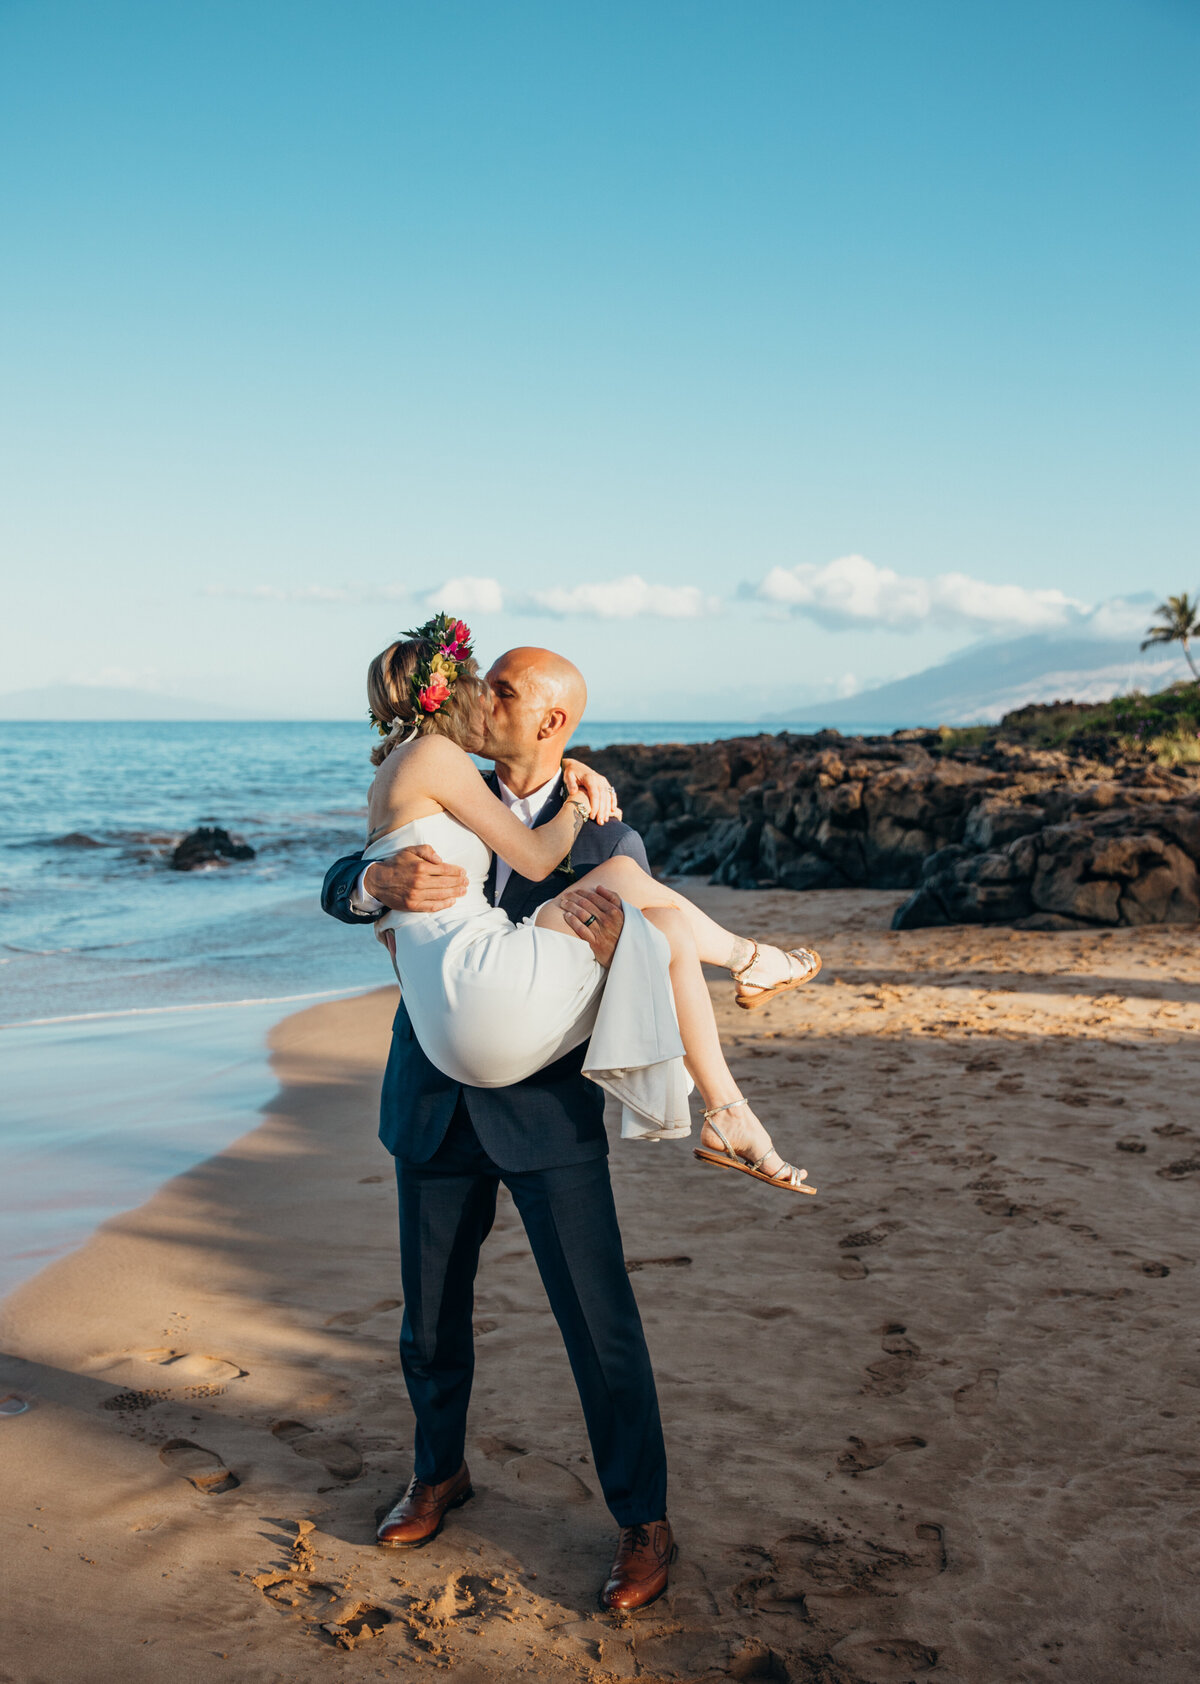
981 684
97 701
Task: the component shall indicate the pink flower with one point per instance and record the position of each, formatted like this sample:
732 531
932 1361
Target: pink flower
434 693
458 637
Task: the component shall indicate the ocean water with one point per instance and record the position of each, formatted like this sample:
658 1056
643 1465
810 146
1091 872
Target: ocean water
93 920
134 1000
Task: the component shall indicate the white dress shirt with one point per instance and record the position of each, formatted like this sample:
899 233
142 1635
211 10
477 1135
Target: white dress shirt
526 808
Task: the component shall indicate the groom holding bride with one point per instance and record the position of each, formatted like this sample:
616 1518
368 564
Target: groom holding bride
506 977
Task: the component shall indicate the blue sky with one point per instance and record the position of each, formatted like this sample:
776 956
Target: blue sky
632 324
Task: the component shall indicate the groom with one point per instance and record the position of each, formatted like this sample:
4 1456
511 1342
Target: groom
543 1138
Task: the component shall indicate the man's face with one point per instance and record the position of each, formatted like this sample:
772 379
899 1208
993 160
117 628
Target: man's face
518 706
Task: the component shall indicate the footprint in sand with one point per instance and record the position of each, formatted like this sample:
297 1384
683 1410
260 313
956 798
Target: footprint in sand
852 1269
479 1593
354 1622
190 1369
334 1617
862 1455
499 1449
978 1395
820 1562
1180 1169
549 1480
868 1236
167 1369
884 1660
355 1318
202 1468
336 1455
900 1365
1172 1131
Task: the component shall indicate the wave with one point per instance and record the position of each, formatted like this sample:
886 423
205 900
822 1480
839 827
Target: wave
195 1006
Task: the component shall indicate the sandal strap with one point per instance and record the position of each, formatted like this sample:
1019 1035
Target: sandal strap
715 1112
721 1138
750 962
786 1174
728 1106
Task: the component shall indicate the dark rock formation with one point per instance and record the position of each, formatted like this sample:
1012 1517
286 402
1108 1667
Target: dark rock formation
1122 868
210 845
1003 833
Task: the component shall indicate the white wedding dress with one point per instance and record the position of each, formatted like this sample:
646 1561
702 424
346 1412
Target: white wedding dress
491 1001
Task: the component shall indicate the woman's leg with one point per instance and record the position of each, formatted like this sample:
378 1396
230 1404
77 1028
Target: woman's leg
684 926
702 1047
715 944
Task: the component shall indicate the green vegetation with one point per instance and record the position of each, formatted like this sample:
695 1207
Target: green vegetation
1180 622
1164 728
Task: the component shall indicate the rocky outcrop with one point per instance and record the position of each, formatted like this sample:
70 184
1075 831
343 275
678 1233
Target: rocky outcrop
1002 834
210 845
1122 868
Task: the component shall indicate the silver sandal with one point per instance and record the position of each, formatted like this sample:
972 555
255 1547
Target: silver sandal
786 1176
803 965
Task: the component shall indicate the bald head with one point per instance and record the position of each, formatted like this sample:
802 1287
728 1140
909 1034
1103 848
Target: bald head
558 681
538 699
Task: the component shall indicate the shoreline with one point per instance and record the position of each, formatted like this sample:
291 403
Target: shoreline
103 1108
934 1415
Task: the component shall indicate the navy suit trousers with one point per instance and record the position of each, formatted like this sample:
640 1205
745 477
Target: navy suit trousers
447 1206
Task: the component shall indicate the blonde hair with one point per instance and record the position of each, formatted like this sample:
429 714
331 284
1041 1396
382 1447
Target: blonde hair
390 695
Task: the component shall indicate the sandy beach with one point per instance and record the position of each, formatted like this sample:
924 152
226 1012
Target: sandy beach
935 1423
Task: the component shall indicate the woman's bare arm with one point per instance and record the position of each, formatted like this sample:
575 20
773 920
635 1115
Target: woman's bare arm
437 771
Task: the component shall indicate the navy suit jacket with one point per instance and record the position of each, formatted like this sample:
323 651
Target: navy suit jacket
554 1117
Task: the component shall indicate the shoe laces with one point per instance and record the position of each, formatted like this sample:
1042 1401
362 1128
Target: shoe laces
638 1536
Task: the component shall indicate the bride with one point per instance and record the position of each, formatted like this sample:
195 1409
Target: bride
492 1002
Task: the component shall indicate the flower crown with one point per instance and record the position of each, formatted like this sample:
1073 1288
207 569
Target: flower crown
434 677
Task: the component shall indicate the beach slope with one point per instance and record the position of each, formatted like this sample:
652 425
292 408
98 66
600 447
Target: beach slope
934 1423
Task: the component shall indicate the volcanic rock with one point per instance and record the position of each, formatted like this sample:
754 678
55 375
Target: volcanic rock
1004 834
210 845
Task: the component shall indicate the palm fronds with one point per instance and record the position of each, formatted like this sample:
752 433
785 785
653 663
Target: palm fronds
1179 622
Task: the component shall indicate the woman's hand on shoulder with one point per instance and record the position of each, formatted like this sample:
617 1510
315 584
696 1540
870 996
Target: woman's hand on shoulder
599 794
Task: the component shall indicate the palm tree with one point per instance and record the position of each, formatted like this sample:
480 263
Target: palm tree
1180 617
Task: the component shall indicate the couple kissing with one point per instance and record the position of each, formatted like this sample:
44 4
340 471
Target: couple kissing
541 967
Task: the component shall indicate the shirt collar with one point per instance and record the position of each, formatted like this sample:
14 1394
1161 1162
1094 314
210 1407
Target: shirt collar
528 805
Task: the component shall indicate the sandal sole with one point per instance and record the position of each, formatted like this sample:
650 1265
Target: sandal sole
719 1161
751 1002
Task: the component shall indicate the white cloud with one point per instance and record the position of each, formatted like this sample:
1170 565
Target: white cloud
467 595
1120 617
854 592
613 599
623 599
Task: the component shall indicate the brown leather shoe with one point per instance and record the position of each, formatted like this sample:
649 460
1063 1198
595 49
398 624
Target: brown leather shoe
419 1514
640 1571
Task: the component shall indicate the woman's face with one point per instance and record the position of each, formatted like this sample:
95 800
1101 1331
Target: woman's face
478 735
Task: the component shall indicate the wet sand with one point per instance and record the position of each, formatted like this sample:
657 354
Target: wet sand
937 1423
